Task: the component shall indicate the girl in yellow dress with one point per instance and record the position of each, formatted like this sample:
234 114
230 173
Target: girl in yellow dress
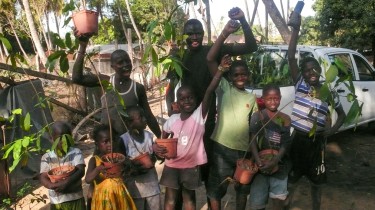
109 193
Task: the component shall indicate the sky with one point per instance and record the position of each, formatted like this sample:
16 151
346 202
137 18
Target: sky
220 8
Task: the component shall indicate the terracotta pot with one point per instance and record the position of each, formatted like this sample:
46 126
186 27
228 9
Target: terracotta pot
114 164
144 159
245 171
60 173
267 155
86 21
171 145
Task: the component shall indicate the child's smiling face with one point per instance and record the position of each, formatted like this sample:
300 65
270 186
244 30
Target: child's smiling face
311 73
239 77
186 100
272 100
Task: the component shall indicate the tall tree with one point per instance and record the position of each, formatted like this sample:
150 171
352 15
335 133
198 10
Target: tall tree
34 32
277 19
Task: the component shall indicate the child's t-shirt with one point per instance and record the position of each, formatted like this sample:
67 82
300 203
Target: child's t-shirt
49 161
143 185
274 134
308 109
234 108
190 147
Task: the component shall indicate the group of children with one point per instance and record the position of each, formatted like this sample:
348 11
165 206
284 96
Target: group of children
241 130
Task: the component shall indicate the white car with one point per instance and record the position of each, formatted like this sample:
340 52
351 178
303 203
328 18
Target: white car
271 65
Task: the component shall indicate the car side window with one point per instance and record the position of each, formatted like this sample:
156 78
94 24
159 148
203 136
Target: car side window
344 59
269 66
365 72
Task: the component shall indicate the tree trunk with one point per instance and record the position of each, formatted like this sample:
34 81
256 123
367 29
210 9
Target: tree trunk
282 9
247 11
256 3
56 22
277 20
122 22
208 13
134 25
33 31
48 35
18 41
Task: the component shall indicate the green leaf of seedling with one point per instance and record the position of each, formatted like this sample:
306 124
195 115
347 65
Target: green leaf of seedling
25 141
16 111
341 65
5 42
331 74
168 30
14 164
68 40
313 129
7 148
26 122
55 143
69 139
178 69
106 85
67 20
154 56
324 93
64 144
17 149
64 63
351 97
56 39
354 112
146 54
50 65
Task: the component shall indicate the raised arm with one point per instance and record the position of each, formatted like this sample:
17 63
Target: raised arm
250 42
293 66
213 54
88 80
207 99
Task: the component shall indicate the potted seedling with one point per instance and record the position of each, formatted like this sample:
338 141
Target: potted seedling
61 146
245 171
85 21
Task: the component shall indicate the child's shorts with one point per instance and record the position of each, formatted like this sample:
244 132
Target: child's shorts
264 186
223 165
307 155
189 178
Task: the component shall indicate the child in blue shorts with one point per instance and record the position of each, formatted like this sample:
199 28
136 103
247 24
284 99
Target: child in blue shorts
273 129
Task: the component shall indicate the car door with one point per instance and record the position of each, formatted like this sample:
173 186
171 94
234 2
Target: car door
365 87
342 90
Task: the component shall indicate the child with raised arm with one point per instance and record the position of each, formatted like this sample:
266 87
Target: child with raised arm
108 193
309 112
143 183
183 172
273 129
66 194
231 133
131 92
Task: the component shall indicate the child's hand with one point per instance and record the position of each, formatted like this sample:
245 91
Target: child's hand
236 13
231 27
226 61
294 20
61 186
159 150
267 166
82 37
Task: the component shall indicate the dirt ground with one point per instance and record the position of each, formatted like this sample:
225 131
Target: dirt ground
350 165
